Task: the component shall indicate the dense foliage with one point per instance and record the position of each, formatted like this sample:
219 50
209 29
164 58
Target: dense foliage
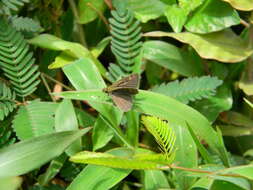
190 125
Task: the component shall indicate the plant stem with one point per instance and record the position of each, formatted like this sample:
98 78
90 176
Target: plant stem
57 82
100 15
47 87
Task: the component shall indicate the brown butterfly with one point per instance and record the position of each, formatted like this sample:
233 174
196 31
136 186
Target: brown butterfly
122 91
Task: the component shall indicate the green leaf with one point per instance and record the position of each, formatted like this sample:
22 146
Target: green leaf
88 10
176 17
99 177
202 150
160 106
147 10
37 117
84 75
190 89
223 151
208 18
132 127
129 159
65 120
244 5
243 170
232 49
10 183
22 157
101 134
96 51
52 170
245 82
214 105
72 49
185 145
155 179
171 57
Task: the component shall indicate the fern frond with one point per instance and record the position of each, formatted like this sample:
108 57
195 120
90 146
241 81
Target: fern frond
16 61
25 24
34 119
162 132
190 89
7 100
14 4
125 43
6 133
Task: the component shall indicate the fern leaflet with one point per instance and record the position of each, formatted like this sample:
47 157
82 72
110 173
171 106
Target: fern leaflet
162 132
25 24
7 100
190 89
125 43
16 61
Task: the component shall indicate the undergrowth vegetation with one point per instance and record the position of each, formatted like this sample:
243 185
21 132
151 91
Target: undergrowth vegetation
126 94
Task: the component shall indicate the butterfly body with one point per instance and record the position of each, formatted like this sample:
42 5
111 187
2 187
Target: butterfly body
122 91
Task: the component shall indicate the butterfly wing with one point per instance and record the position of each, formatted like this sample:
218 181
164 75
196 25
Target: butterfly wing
122 100
129 82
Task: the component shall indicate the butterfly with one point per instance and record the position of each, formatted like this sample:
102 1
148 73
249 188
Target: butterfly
123 90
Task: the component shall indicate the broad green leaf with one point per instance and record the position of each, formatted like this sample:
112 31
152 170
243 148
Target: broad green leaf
65 120
190 5
84 75
88 10
10 183
84 118
146 10
101 134
176 17
243 170
34 119
171 57
161 106
244 5
99 177
22 157
217 176
132 127
155 179
129 160
71 49
222 184
61 60
208 18
202 150
185 145
223 46
214 105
